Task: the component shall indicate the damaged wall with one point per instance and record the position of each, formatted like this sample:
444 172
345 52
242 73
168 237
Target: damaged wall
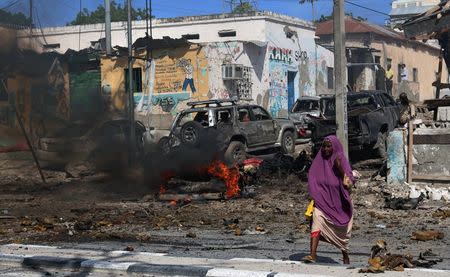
431 158
388 47
179 75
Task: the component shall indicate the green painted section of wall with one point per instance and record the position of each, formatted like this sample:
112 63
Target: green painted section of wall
85 94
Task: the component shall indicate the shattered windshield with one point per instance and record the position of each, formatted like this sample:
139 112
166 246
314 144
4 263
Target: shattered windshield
305 106
353 102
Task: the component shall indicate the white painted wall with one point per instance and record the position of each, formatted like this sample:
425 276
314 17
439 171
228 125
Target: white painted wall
248 28
256 37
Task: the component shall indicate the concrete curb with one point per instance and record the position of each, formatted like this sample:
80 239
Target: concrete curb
139 267
55 262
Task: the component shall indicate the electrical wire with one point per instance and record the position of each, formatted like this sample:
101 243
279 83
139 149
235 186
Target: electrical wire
366 8
40 26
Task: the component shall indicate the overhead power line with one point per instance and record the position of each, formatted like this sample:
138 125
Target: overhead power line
363 7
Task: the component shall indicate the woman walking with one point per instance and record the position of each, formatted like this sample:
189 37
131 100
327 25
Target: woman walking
329 180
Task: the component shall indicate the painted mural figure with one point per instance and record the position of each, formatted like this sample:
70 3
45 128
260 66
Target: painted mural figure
186 65
305 80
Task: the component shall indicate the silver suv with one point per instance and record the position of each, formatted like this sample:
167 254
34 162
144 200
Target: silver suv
234 129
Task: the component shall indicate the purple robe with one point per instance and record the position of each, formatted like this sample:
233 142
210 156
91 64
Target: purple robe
326 187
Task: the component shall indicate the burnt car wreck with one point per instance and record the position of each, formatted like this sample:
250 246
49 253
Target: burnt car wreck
230 130
371 116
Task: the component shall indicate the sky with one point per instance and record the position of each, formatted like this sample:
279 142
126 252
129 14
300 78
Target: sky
59 12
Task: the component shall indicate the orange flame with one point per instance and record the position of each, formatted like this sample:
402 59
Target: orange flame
173 202
165 176
229 175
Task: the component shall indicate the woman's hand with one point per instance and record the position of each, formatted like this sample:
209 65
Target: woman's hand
347 182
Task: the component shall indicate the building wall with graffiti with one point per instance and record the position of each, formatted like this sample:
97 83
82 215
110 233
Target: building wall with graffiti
296 65
176 76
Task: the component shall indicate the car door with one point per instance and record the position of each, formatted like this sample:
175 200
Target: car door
267 127
247 126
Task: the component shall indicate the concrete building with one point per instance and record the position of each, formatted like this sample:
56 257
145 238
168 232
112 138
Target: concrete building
370 48
402 10
266 58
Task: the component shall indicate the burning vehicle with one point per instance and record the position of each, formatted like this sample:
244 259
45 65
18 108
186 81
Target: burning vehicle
371 116
232 130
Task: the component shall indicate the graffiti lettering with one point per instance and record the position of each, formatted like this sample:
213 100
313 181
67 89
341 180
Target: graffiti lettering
286 55
280 54
301 55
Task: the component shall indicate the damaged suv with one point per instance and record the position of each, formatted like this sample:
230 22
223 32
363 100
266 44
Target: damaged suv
234 130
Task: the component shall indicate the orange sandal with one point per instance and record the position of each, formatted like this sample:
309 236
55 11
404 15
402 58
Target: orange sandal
308 259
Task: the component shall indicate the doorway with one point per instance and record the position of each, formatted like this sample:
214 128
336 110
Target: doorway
291 89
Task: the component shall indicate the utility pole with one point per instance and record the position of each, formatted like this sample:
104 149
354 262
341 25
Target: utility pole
340 73
31 18
108 27
132 142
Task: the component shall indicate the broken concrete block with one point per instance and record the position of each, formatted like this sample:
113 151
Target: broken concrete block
396 162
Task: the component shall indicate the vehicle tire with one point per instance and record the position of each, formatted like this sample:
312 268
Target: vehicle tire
235 153
288 142
381 149
164 145
191 133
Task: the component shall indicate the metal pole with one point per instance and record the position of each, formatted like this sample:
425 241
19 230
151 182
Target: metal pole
151 30
340 70
130 88
29 145
31 17
108 26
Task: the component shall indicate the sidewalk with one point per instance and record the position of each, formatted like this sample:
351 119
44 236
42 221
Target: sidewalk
161 264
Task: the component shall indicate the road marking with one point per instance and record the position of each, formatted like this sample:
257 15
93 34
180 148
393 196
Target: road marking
227 272
120 252
299 275
107 265
253 260
428 270
30 246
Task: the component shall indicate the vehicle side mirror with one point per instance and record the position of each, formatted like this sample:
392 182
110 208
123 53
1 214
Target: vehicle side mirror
151 128
275 124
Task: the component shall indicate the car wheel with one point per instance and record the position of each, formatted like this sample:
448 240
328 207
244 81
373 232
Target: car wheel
164 146
382 145
288 142
235 153
191 133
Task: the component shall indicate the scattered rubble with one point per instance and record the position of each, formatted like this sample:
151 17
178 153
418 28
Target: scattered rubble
382 260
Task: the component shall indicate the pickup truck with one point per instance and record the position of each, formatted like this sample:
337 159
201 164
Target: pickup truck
371 116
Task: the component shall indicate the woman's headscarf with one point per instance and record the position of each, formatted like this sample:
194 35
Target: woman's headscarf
325 185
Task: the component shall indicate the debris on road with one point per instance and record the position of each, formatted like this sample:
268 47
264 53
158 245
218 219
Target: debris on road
382 260
426 235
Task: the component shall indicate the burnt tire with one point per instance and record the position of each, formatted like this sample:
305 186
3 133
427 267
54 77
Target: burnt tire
164 146
235 153
288 142
192 133
381 149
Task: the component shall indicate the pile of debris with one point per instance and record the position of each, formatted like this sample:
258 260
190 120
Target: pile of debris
382 260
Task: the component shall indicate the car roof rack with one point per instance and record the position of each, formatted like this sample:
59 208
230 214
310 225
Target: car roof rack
215 102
